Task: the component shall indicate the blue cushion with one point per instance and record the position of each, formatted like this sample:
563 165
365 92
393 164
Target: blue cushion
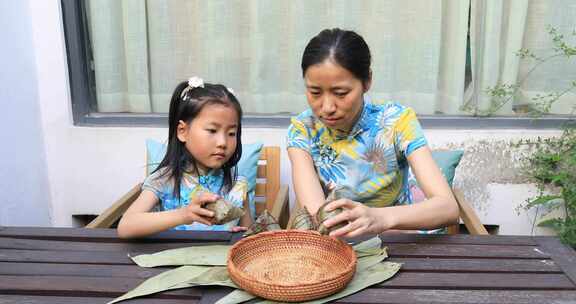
447 161
247 166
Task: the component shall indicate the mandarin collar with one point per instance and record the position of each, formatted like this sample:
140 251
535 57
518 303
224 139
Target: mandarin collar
360 126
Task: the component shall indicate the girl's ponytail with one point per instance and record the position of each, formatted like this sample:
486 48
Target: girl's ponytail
176 156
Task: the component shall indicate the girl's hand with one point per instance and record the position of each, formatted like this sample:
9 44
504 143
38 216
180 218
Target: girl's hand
238 229
195 212
361 219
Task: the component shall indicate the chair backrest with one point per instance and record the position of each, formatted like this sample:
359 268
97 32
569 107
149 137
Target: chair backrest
267 178
270 194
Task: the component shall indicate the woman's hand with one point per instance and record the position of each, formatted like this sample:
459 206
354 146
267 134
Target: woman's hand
361 219
195 211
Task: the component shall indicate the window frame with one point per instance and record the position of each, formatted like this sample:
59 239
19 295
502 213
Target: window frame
83 96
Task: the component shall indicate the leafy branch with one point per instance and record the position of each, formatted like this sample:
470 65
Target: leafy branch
501 94
552 167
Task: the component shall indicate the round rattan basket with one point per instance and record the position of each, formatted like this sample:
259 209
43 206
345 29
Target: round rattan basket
291 265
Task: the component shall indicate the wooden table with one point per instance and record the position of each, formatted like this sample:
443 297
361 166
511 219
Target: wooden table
71 265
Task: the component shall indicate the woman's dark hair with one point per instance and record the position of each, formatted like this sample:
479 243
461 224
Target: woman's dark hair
346 48
185 105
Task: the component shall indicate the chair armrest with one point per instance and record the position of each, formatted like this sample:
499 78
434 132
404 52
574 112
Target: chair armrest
114 212
468 215
281 209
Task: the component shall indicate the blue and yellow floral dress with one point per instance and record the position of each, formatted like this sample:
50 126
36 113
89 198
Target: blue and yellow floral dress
192 185
370 160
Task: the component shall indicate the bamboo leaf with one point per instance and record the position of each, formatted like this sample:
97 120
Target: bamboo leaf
165 281
182 277
213 255
369 247
369 261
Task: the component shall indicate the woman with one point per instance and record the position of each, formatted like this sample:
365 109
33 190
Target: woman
362 147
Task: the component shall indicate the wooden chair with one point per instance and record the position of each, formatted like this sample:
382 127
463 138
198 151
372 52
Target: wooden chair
467 216
270 194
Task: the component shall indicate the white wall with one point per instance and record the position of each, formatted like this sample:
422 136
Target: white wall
23 177
90 167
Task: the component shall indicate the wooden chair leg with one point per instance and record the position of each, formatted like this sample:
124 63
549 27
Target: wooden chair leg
454 229
468 215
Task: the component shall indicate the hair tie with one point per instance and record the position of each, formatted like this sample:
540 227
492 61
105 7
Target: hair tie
195 82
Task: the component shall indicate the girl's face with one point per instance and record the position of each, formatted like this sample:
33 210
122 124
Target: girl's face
334 94
211 136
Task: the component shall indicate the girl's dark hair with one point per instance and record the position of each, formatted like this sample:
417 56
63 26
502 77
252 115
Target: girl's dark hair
185 105
346 48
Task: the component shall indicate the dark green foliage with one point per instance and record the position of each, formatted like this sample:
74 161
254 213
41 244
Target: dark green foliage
553 168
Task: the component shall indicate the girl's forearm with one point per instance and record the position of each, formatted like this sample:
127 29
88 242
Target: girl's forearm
141 224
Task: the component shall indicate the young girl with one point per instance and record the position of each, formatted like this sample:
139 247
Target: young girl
198 168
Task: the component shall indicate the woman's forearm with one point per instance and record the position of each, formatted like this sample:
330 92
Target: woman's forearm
433 213
305 180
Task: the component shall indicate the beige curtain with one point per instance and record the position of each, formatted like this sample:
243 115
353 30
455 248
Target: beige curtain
498 30
142 49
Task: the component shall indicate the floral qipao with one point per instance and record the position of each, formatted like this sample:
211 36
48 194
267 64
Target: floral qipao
370 160
190 187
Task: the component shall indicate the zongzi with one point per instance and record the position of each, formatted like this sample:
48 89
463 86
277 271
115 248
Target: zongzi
264 222
224 211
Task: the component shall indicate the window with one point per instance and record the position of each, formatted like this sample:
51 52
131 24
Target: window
125 57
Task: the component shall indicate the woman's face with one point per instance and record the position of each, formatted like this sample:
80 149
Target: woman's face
334 94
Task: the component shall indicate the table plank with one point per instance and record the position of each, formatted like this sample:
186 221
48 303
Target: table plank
75 257
110 235
562 255
31 244
114 286
464 239
395 249
465 251
30 299
69 266
82 286
430 280
478 265
440 296
86 270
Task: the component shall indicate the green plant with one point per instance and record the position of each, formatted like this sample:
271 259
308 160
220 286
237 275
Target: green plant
552 166
504 93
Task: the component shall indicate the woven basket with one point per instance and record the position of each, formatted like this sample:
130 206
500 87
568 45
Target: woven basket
291 265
